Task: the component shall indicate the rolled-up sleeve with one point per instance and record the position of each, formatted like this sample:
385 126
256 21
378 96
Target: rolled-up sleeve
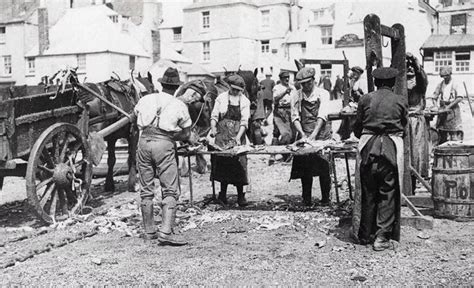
295 106
216 109
184 120
245 112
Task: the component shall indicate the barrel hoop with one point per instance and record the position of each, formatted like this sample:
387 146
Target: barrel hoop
453 171
453 154
453 201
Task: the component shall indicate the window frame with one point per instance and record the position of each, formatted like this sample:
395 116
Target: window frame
462 65
318 14
30 69
206 20
206 51
3 35
81 62
265 46
177 36
462 26
265 19
328 37
442 58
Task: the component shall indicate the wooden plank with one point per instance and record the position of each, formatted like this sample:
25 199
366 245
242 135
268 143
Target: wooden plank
425 201
323 61
373 47
417 222
53 113
390 32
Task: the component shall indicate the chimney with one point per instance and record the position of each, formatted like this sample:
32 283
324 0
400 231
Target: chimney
294 11
151 14
155 42
43 30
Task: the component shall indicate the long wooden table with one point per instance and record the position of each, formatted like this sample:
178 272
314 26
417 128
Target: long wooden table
331 148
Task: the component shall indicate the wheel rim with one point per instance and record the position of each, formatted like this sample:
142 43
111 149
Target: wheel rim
59 173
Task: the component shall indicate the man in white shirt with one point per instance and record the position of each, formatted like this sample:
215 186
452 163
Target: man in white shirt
162 120
447 97
309 111
283 133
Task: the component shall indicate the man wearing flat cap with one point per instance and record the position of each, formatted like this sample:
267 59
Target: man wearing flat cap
447 97
309 110
282 126
162 120
380 124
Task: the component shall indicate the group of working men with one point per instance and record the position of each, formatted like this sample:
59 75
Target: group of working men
299 115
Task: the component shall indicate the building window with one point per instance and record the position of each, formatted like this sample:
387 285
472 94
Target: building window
265 44
177 33
443 58
2 34
131 62
303 47
206 51
462 61
7 65
81 62
30 62
326 35
326 70
446 3
318 14
206 20
114 18
458 24
265 18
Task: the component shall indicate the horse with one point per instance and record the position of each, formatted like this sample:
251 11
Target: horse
125 94
254 93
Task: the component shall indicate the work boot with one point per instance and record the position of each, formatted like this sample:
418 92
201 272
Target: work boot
241 199
148 220
165 234
222 197
382 243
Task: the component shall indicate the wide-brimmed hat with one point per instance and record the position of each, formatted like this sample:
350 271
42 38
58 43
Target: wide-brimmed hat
385 73
445 71
305 74
236 82
170 77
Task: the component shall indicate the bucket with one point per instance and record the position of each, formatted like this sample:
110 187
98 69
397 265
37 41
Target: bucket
453 182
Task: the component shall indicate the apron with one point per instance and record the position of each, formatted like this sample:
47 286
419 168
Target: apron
311 164
357 210
231 170
451 121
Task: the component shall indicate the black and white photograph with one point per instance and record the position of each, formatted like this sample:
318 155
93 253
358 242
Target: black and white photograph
294 143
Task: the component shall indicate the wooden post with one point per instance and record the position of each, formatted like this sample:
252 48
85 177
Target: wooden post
373 46
346 99
399 62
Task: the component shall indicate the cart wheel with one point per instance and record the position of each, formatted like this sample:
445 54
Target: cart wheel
59 173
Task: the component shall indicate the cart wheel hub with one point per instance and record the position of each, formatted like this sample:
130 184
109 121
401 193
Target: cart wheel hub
63 175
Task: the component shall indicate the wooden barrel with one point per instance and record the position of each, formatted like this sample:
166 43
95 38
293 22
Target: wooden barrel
453 182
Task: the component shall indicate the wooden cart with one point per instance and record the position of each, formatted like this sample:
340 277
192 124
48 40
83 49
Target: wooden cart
50 132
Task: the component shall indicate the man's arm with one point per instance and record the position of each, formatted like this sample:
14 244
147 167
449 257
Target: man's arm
295 113
319 124
359 120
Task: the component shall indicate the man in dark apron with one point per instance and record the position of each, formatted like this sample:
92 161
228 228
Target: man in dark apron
229 121
309 109
447 97
283 132
380 124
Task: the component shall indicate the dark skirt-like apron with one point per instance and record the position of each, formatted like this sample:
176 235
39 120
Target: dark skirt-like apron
311 164
231 170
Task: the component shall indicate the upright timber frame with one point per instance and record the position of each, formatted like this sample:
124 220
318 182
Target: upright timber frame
374 32
344 63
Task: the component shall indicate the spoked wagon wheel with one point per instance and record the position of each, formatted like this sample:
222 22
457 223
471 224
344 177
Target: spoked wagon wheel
59 173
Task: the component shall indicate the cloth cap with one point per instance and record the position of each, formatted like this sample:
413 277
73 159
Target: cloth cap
445 71
236 82
358 69
385 73
305 74
170 77
284 74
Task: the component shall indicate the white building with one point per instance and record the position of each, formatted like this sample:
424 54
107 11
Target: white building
95 39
